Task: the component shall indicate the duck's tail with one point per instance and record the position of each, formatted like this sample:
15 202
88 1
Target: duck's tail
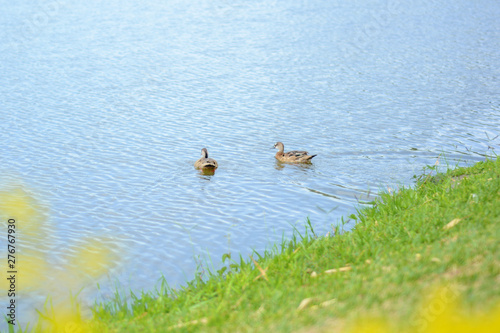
209 165
310 157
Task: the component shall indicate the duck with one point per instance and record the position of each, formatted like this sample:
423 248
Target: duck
204 162
294 156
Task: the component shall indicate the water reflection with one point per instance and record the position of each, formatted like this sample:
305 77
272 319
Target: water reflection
294 166
206 173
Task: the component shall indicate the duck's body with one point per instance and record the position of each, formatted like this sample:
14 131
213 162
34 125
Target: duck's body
294 156
204 162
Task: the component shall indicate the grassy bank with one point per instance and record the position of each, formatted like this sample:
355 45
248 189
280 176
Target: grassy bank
415 260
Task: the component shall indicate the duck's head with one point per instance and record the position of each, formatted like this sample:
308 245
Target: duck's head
279 146
204 153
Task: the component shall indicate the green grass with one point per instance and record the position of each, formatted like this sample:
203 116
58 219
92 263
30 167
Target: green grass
397 253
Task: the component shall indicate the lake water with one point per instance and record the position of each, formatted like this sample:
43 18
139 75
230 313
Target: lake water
105 106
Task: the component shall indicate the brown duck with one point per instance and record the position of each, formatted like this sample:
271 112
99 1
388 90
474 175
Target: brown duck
204 162
294 156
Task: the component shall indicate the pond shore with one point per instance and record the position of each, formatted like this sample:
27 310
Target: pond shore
414 260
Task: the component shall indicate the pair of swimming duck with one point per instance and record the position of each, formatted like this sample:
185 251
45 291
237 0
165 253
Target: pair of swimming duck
294 156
